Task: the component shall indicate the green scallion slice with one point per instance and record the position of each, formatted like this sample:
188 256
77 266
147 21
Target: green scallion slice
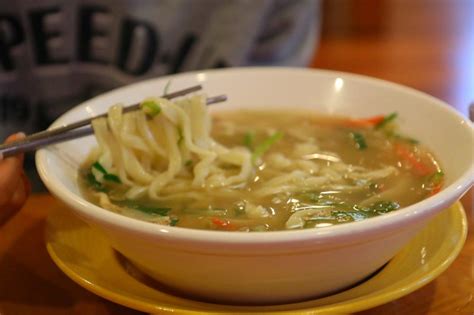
387 119
249 138
359 140
99 167
174 221
266 145
151 108
107 176
112 178
152 210
94 183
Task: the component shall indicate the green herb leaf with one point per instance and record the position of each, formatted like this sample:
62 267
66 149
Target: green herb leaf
410 140
359 140
265 145
188 163
405 139
99 167
387 119
349 216
132 204
437 177
393 134
174 221
249 138
153 210
151 108
107 176
380 207
92 182
112 178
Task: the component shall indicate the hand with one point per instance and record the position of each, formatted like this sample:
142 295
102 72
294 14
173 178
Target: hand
14 185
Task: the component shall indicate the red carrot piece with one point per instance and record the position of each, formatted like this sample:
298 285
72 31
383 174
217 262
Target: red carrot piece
435 189
365 122
418 167
224 224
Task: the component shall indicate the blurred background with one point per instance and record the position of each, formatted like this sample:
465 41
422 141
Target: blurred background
425 44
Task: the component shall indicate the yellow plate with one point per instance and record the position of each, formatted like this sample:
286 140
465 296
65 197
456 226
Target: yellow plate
86 257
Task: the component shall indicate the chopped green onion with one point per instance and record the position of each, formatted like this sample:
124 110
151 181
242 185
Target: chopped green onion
390 133
406 139
349 216
152 210
265 145
107 176
434 182
437 177
387 119
167 87
188 163
151 107
112 178
99 167
94 183
249 138
410 140
380 207
385 206
359 140
174 221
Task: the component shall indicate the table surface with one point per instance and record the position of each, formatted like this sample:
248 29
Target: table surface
425 46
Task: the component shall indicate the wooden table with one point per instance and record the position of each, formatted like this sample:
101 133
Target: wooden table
428 45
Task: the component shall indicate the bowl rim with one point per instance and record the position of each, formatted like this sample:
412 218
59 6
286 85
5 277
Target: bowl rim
412 213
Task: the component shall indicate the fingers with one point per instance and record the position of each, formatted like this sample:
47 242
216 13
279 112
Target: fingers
11 170
17 199
26 183
16 137
14 185
19 196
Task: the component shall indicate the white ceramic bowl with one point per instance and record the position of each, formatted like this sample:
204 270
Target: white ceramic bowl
273 267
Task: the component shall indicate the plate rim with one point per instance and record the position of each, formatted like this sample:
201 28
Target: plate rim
358 304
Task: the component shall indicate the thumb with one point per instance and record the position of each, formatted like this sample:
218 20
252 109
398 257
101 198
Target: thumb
13 138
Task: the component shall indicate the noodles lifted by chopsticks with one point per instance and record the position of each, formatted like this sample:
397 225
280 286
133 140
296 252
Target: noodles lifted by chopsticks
165 149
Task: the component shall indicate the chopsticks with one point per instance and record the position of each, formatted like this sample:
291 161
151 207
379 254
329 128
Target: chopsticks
81 128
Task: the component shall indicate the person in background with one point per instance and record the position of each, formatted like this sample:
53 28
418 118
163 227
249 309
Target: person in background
55 54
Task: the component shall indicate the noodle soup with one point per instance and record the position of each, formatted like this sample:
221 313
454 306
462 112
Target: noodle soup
255 170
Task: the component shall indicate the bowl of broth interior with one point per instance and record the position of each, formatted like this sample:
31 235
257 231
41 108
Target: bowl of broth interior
342 221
